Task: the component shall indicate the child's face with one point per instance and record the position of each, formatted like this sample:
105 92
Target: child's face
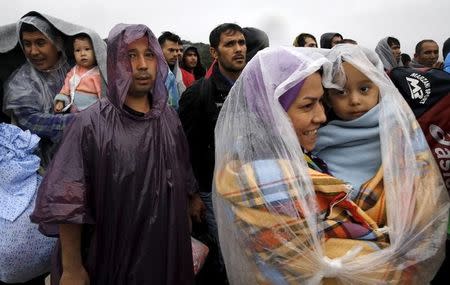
84 53
360 95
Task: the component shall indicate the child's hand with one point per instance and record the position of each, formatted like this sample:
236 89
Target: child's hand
59 106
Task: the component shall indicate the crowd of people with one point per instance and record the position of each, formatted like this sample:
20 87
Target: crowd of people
127 161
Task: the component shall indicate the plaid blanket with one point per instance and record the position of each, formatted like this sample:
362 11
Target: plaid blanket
265 203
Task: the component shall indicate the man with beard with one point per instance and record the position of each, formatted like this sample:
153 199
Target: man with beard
117 190
200 105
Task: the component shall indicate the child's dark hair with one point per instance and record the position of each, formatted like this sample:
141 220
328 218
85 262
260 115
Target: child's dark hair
82 36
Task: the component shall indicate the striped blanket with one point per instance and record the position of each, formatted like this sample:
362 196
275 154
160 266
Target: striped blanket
265 205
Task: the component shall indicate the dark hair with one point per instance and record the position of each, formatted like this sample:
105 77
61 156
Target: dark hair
348 41
168 36
392 41
82 36
406 59
214 36
419 45
300 40
25 27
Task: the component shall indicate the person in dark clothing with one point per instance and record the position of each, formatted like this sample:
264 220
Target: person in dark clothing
199 109
329 40
117 191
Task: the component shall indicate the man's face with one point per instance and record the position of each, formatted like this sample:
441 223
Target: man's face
335 40
144 65
170 51
230 54
39 50
429 54
190 59
396 52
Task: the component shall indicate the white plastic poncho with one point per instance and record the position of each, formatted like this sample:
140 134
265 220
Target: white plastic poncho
276 225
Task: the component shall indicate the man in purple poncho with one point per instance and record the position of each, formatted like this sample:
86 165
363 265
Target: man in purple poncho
119 186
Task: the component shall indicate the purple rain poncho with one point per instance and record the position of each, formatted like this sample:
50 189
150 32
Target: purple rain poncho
126 178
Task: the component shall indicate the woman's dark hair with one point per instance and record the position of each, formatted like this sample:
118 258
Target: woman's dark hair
300 40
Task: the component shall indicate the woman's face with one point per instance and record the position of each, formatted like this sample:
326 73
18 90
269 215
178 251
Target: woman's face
307 113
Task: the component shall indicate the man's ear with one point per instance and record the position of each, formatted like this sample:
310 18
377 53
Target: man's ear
213 53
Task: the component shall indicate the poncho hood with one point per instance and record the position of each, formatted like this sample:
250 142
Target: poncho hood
120 71
256 40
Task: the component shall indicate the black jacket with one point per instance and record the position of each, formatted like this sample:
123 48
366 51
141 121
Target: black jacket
199 109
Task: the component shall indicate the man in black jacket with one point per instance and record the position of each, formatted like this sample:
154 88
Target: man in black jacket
200 105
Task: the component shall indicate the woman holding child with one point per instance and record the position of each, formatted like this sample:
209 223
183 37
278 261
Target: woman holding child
377 215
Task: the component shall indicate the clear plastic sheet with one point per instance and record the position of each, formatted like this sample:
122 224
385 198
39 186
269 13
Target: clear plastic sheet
267 201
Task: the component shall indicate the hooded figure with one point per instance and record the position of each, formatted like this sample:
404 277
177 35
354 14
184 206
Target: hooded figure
125 177
385 53
29 92
256 40
283 221
198 71
327 38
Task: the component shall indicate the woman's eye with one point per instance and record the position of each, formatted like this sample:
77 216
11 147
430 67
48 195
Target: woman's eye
307 106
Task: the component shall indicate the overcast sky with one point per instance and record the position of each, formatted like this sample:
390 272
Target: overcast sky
366 21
